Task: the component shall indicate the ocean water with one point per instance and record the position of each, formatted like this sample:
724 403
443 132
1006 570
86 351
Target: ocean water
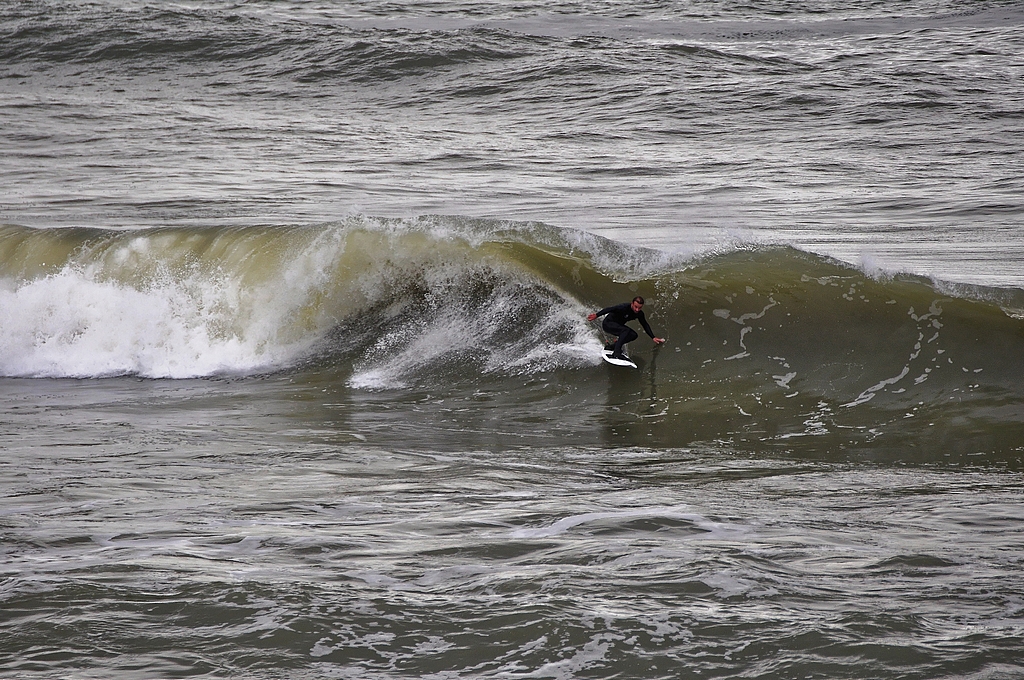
296 379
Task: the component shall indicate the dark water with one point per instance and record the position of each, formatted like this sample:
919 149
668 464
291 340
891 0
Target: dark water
298 382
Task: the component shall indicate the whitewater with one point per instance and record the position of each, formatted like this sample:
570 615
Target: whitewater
296 377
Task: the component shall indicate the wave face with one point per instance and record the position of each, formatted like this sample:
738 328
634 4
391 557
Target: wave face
766 343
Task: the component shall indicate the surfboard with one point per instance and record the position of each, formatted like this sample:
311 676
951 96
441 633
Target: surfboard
624 361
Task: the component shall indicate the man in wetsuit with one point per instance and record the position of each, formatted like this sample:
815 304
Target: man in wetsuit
615 323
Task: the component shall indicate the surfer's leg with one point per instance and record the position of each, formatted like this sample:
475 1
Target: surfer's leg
617 329
628 335
624 334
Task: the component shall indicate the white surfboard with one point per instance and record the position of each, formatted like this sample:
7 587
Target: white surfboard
624 361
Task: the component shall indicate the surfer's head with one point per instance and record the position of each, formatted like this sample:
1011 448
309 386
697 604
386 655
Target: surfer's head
637 304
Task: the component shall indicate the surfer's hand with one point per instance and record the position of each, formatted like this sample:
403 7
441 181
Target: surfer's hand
658 341
591 317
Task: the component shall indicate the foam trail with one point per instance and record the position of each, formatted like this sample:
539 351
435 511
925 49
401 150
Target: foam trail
568 523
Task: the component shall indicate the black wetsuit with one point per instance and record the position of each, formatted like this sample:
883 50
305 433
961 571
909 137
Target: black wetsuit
615 323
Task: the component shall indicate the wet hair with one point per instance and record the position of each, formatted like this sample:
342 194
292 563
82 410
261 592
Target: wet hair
638 299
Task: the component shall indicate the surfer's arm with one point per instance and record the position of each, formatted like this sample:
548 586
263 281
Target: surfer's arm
643 322
591 317
647 327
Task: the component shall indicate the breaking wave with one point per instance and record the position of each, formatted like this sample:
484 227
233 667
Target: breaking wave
401 301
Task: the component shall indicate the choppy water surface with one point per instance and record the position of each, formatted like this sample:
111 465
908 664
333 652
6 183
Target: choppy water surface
252 529
296 378
891 134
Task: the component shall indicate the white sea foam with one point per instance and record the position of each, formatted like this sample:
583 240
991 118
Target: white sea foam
72 325
477 336
126 311
396 361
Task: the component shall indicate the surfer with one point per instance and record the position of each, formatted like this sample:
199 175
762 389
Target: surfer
615 323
